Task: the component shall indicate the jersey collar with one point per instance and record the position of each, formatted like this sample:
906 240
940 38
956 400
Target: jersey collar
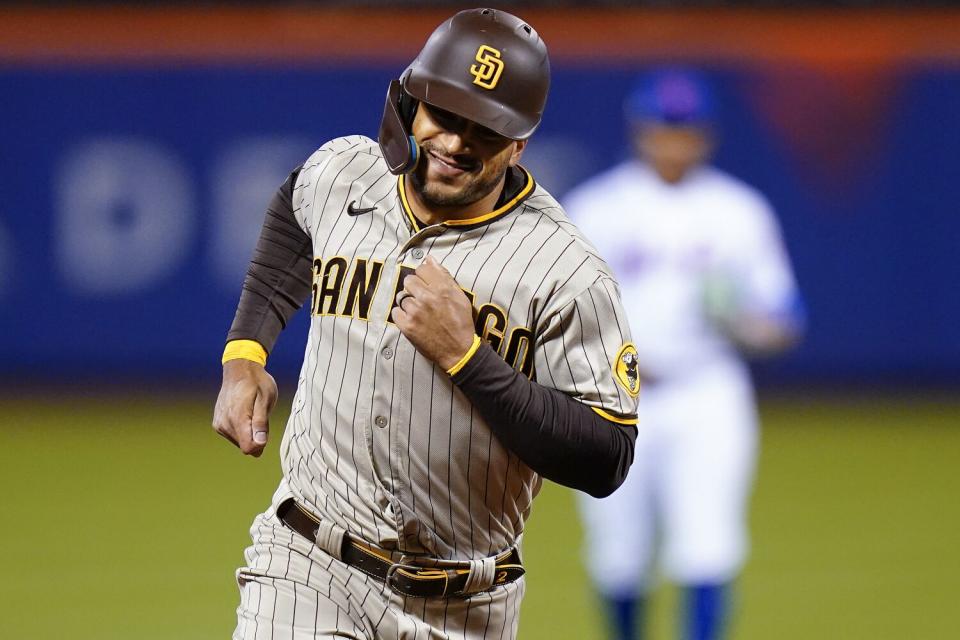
528 186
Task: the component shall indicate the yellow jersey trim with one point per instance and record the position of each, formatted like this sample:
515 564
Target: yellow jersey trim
524 192
466 357
406 205
246 350
613 418
528 187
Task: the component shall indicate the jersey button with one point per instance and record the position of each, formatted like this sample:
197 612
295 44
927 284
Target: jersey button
387 353
418 254
380 421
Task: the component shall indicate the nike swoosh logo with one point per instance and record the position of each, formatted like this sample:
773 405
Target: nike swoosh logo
355 211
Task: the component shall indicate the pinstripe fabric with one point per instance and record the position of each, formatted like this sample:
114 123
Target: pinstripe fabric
379 440
292 590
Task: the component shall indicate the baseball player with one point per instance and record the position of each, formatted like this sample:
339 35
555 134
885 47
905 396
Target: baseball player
704 278
465 342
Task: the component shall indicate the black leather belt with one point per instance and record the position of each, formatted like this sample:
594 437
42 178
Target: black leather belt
407 579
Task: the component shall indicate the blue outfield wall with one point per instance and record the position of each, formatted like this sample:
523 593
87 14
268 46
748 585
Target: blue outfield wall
130 200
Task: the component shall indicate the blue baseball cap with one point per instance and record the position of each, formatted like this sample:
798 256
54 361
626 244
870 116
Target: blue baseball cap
670 96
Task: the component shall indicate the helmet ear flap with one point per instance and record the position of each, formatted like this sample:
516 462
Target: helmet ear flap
407 106
400 150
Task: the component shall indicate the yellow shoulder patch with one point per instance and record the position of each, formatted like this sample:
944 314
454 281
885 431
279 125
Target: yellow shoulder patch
625 369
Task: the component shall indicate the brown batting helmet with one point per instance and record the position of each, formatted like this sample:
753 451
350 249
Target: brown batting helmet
484 65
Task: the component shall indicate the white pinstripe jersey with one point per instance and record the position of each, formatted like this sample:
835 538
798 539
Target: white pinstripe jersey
379 439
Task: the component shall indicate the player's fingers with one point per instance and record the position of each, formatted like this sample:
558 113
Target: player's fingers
260 423
260 420
400 318
440 281
217 414
434 263
415 285
221 422
405 297
270 391
431 271
241 431
413 309
240 416
437 271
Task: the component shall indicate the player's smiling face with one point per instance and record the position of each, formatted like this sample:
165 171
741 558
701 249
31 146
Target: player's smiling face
462 164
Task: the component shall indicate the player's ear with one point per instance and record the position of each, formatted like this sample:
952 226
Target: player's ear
518 147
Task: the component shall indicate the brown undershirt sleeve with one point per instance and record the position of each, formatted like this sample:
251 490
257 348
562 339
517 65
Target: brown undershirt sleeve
278 280
558 437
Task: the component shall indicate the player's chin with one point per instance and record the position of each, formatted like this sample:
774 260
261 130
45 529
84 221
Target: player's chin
449 192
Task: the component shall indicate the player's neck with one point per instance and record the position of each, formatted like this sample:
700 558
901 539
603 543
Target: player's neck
430 214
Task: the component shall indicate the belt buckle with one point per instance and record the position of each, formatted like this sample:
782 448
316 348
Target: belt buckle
419 573
391 574
421 581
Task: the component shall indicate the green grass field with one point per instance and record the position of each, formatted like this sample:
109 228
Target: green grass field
125 517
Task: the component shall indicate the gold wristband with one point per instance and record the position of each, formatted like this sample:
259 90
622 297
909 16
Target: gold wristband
245 349
466 357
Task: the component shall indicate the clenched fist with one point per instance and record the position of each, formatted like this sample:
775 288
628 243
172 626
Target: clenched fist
435 314
242 413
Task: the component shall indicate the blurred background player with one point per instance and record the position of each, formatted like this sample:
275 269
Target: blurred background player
705 280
